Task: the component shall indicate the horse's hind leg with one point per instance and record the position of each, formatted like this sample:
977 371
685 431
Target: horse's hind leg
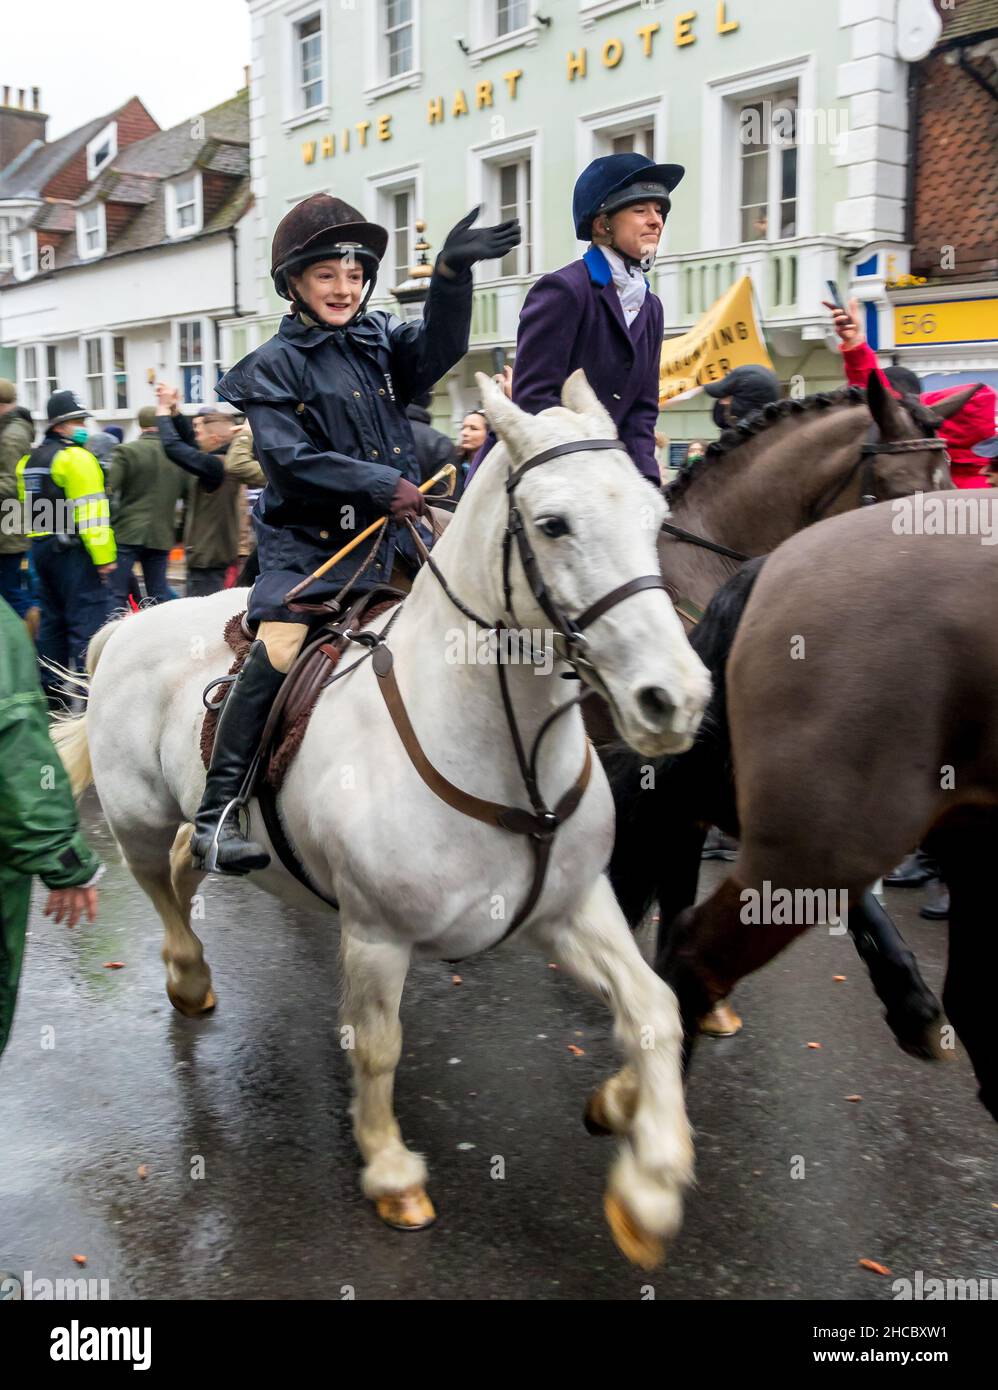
912 1011
963 850
644 1198
170 882
394 1177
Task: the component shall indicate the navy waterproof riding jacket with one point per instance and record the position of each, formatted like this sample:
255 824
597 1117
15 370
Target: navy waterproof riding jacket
327 409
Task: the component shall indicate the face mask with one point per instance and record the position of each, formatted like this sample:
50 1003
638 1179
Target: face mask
79 436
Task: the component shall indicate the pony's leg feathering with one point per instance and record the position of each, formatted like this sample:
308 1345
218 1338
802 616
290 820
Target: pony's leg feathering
644 1199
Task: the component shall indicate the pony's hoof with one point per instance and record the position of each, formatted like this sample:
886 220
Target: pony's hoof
411 1210
189 1010
633 1241
721 1022
595 1117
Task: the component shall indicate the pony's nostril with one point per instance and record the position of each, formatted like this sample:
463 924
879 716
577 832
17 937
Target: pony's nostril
656 706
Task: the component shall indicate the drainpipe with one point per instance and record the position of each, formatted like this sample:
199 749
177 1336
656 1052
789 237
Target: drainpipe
911 178
234 239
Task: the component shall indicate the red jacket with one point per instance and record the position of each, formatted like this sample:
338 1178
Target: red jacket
970 425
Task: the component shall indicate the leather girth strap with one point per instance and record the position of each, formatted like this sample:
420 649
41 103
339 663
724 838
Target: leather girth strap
540 830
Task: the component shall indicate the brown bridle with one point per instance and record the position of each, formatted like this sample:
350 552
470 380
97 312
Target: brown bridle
540 823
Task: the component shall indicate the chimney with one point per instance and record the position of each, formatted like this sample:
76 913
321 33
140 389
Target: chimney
246 74
20 125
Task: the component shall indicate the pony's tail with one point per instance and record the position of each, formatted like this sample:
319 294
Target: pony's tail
69 732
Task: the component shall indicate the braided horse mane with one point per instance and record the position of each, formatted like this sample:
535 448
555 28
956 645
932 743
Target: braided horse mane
767 416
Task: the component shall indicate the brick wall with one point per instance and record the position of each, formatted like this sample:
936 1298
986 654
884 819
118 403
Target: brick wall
956 180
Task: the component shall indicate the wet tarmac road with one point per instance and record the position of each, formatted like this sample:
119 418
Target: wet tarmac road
255 1097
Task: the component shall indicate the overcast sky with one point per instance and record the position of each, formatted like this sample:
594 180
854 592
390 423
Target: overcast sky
89 56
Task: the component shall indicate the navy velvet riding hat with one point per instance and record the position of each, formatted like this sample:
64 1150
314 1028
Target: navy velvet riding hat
608 182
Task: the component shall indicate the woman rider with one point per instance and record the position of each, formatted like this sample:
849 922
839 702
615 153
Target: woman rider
599 312
325 399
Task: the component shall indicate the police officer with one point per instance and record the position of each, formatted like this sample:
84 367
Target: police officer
67 517
326 399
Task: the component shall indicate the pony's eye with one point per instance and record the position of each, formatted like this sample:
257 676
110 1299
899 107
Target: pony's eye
554 526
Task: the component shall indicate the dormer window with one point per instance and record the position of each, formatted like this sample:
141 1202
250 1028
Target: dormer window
183 206
91 233
25 254
101 150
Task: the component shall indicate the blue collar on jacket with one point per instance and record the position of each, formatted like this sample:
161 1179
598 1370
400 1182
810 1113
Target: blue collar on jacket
599 267
364 330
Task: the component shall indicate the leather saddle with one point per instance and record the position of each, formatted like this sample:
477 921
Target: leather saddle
313 670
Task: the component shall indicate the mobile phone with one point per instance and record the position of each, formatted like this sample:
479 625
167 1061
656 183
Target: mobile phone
833 294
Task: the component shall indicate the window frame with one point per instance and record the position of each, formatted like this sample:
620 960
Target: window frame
183 364
173 229
51 359
93 169
485 161
84 252
31 240
28 379
119 379
295 114
381 189
377 82
720 152
95 407
486 42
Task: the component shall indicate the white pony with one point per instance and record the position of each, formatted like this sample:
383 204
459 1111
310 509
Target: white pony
411 873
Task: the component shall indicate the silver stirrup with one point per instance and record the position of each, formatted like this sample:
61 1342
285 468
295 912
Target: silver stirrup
210 861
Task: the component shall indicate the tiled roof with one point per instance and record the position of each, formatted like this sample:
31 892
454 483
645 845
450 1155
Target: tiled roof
56 217
216 142
27 179
970 17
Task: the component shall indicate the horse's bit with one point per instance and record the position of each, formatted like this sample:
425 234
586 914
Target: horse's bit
541 823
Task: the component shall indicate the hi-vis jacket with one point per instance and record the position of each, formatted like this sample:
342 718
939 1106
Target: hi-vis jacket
62 487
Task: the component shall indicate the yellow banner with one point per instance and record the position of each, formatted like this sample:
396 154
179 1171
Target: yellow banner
952 321
726 337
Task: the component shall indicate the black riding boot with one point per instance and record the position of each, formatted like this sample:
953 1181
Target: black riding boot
218 844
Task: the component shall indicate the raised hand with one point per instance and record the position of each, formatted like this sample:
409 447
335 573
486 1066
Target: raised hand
466 245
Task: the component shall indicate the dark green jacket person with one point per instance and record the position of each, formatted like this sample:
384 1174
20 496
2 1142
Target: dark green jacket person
39 826
145 488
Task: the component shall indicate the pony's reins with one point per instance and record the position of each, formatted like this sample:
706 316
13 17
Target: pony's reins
540 824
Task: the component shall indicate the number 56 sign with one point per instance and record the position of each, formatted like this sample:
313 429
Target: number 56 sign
952 321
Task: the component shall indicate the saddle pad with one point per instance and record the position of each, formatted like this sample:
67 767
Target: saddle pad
306 680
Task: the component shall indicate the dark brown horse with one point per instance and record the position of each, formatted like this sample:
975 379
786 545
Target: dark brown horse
862 701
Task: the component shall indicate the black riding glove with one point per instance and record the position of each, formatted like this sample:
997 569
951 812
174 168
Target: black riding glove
466 244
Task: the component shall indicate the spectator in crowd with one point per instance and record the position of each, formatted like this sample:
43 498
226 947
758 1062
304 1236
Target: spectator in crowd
741 392
971 425
17 434
39 826
433 449
473 434
100 444
212 493
72 544
242 461
116 433
145 487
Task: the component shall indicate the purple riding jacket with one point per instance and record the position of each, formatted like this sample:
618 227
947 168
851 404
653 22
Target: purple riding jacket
573 318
